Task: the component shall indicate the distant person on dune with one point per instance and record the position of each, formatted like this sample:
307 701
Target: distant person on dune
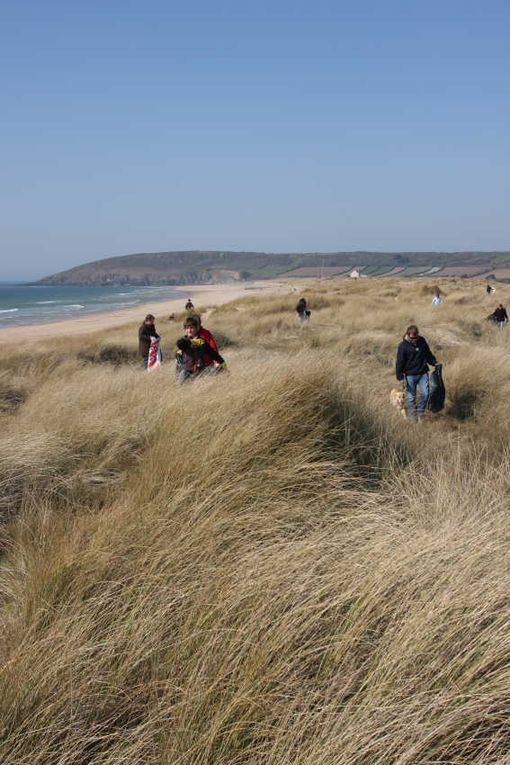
189 305
146 332
500 316
302 310
490 290
412 368
192 351
438 298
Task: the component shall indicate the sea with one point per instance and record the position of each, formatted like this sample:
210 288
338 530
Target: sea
33 304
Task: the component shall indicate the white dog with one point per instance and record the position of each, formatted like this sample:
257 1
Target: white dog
398 400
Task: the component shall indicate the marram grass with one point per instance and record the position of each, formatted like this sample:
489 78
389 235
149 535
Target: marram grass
266 568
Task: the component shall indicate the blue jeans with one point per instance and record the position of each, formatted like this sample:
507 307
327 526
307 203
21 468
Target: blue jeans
413 382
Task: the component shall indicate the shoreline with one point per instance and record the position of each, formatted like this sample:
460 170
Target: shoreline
216 294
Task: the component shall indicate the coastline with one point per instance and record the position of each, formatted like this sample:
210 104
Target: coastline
208 294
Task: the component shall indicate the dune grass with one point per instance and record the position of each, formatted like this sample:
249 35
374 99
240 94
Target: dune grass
270 567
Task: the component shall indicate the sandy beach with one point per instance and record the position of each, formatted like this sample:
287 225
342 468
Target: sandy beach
203 295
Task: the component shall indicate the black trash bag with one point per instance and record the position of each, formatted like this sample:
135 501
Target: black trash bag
437 390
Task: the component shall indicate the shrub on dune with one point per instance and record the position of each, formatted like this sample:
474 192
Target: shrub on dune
479 384
109 354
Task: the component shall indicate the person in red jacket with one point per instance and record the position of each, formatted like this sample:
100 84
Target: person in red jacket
191 352
209 339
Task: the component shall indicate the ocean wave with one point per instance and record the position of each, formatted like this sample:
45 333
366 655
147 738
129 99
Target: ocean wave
9 310
73 305
45 302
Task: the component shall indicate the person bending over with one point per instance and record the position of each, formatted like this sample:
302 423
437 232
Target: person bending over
192 352
412 365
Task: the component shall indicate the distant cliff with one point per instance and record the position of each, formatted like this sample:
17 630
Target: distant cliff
202 267
158 268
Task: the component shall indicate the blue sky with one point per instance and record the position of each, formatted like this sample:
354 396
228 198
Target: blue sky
278 126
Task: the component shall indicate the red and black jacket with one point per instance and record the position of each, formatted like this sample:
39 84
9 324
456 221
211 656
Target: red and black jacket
191 354
209 339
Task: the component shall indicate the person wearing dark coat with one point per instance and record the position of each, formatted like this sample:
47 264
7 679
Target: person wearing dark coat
302 310
146 331
412 366
500 316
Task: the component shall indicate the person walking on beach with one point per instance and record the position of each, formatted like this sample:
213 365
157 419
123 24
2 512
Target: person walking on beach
412 368
192 351
500 316
189 305
302 310
146 332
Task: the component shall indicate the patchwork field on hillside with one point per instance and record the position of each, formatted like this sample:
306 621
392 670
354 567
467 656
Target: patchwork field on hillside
317 271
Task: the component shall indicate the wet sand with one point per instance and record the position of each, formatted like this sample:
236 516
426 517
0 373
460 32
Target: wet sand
203 295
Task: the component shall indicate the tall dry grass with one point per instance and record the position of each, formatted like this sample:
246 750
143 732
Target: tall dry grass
269 567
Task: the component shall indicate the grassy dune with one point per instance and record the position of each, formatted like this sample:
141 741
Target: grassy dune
267 568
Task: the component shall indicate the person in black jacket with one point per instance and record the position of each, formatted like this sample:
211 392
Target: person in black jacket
413 359
302 310
500 316
145 332
193 352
